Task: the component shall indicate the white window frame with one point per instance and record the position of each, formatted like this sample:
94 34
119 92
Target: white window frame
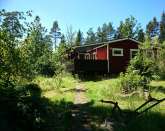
94 56
131 50
87 56
117 49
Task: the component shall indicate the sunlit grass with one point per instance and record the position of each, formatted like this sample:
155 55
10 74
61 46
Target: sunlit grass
55 88
158 91
108 90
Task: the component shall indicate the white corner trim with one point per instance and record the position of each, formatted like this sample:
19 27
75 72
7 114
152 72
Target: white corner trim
117 49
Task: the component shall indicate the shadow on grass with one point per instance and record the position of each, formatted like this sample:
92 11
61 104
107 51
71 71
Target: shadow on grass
24 109
158 89
76 90
100 118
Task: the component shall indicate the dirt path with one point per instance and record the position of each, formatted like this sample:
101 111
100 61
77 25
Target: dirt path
80 97
81 118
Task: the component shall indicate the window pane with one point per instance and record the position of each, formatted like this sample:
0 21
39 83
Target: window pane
117 51
134 54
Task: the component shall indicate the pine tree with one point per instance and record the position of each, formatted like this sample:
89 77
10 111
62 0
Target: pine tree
152 28
79 38
63 38
55 32
91 37
99 35
105 33
141 35
162 28
110 31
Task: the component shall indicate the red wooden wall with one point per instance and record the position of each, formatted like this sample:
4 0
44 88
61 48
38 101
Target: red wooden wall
119 63
102 53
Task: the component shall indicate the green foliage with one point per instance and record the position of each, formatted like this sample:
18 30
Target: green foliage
145 66
25 48
23 108
128 28
162 28
37 50
141 71
11 32
160 62
147 43
152 28
130 81
79 38
105 33
141 35
91 37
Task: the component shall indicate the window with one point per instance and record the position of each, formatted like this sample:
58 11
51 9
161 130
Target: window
117 52
94 56
133 52
87 56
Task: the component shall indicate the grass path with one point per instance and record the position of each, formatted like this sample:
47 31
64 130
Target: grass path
80 97
81 118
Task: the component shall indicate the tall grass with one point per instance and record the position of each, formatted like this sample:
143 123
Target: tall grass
152 120
108 89
55 87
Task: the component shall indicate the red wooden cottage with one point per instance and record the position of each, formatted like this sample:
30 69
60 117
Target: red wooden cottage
107 57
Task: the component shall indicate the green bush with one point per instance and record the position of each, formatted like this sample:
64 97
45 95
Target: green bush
161 62
139 73
24 109
145 65
130 81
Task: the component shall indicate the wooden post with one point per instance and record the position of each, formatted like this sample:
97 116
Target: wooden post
96 53
108 57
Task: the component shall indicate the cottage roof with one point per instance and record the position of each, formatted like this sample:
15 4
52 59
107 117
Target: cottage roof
86 48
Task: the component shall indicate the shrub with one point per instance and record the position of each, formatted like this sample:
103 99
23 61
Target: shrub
24 109
161 62
139 73
145 66
130 81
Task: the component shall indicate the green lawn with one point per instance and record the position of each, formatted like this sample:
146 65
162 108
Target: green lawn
153 120
57 88
108 90
60 88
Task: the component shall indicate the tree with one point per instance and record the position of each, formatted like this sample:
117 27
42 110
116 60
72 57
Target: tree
79 38
146 43
110 31
11 33
129 28
141 35
37 48
162 28
63 38
91 38
105 33
152 28
99 35
70 36
55 32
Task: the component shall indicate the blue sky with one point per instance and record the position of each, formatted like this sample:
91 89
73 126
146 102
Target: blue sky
83 14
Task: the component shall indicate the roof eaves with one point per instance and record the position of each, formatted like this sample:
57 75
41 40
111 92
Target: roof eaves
109 42
97 47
